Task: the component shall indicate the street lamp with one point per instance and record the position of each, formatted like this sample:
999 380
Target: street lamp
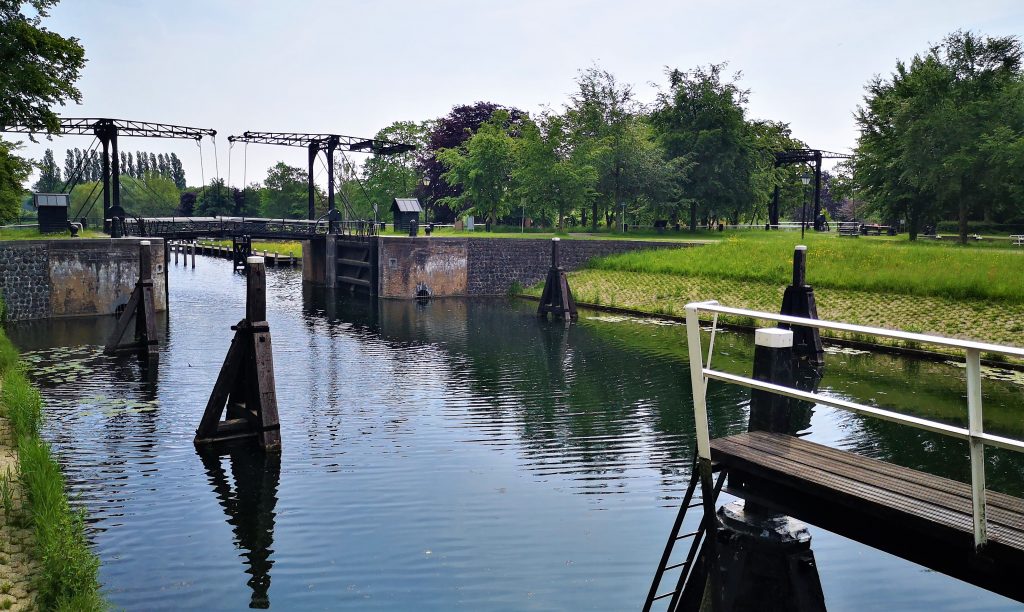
806 180
426 209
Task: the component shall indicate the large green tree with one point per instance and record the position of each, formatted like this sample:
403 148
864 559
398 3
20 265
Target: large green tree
38 70
385 177
701 117
285 193
481 169
49 175
548 181
938 135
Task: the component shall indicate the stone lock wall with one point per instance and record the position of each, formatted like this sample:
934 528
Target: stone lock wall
60 278
484 266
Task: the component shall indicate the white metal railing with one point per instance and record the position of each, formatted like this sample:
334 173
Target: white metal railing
974 433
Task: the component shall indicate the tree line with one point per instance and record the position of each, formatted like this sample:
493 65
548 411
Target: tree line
85 165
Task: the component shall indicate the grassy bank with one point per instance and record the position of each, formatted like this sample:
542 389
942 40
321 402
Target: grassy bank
943 290
66 568
896 267
32 233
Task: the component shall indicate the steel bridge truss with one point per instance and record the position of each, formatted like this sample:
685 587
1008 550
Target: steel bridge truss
107 131
328 143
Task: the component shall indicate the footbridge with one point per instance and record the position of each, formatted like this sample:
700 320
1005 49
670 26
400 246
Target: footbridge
190 228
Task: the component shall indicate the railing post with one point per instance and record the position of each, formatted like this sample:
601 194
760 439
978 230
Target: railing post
697 382
975 426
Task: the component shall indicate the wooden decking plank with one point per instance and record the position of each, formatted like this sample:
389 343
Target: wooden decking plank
924 487
856 490
1009 502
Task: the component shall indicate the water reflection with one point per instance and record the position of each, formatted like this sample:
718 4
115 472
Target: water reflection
478 457
249 499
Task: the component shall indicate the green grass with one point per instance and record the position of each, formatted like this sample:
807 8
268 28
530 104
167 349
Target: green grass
887 266
32 233
68 574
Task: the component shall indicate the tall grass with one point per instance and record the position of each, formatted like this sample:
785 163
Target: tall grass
882 266
67 579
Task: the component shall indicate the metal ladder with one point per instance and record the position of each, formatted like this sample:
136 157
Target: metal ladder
707 500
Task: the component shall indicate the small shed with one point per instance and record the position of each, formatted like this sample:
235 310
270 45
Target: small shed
52 212
404 211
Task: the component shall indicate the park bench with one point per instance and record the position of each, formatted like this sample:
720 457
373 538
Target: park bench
849 228
1018 239
874 229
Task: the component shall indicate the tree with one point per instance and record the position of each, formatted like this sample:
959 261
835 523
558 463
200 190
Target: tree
547 178
606 133
141 164
49 175
39 67
153 196
14 171
285 192
385 177
177 172
701 117
937 135
215 200
69 165
481 169
449 132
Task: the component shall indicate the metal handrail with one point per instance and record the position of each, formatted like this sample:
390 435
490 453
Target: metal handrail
974 433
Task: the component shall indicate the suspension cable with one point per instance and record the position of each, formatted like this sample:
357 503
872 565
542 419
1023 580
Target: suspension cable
202 172
81 167
86 201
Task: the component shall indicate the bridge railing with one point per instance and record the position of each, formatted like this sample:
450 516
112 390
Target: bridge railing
974 433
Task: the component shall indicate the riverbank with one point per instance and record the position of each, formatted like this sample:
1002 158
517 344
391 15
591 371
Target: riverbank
45 559
940 290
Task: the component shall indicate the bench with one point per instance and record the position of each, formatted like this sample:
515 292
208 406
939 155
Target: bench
873 229
849 228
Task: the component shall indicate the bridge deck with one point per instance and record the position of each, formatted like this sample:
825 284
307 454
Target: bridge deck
915 515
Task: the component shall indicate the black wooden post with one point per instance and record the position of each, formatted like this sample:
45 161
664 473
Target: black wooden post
141 307
798 301
773 363
245 387
556 298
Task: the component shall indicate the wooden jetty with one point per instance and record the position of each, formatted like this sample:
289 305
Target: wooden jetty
209 249
961 529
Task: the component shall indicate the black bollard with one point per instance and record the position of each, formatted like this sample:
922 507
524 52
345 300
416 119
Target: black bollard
556 298
798 301
763 561
773 363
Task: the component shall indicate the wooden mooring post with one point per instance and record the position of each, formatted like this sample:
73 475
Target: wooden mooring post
141 308
245 386
557 296
798 301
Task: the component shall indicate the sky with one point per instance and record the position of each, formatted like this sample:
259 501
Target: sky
353 67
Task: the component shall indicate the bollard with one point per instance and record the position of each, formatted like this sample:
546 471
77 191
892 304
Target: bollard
245 390
773 363
798 301
193 246
763 561
556 299
175 247
140 307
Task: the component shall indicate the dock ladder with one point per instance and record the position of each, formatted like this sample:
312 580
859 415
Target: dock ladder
707 502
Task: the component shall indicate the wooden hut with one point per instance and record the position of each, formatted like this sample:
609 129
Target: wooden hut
404 211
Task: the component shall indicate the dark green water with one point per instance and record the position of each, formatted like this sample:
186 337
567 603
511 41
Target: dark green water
451 455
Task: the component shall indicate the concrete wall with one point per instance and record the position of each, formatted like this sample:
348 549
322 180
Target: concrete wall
63 278
484 266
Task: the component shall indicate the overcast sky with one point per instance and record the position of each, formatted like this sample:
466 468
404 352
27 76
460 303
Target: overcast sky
354 67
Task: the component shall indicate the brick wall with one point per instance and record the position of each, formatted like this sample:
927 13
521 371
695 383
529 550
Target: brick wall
495 264
55 278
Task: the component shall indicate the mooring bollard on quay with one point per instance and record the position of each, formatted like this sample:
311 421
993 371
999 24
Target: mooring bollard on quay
245 387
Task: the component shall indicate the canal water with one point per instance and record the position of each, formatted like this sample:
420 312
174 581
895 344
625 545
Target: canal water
457 454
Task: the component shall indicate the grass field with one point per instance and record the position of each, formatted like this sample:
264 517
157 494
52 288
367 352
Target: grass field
32 233
889 266
944 289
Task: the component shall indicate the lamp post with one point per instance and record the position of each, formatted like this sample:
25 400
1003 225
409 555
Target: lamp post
426 208
805 179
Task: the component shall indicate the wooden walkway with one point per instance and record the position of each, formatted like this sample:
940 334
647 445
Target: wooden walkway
914 515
